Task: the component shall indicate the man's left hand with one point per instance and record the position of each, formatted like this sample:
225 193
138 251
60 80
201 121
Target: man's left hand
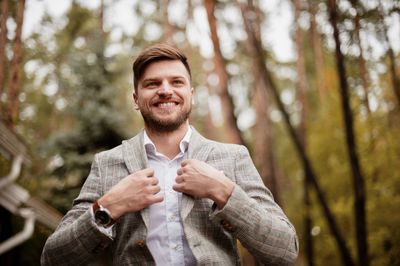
201 180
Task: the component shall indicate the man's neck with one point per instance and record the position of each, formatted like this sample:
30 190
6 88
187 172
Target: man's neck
167 143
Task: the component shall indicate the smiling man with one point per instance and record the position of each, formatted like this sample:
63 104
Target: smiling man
169 196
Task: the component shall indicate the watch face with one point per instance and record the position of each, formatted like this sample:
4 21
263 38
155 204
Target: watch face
102 217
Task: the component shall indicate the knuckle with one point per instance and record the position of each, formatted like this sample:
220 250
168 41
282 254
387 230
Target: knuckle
149 199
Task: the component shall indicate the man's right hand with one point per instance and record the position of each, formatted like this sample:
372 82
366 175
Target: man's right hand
133 193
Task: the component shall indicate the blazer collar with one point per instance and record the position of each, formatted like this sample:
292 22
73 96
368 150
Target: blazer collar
134 153
199 146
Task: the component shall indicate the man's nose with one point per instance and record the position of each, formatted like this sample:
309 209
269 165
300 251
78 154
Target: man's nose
165 89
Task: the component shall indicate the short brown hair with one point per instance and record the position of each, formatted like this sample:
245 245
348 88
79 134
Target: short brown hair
154 53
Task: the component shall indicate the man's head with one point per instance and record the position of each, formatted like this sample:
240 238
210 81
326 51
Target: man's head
154 53
163 91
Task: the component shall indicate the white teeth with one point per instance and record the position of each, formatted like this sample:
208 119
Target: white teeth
166 104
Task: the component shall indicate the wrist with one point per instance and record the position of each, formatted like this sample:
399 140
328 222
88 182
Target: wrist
106 202
222 195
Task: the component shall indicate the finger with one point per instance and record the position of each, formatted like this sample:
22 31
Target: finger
179 179
152 181
178 187
154 189
147 172
179 171
185 162
156 198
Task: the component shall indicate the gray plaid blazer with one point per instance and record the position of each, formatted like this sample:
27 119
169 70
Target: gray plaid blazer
250 215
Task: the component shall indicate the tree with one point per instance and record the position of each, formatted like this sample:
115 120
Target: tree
263 143
318 58
307 166
15 67
301 95
91 121
361 58
358 178
232 130
392 59
168 28
3 43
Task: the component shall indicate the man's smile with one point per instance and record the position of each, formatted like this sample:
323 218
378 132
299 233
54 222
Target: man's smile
166 105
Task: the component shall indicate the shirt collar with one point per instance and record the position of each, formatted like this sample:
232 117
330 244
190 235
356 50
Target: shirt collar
183 145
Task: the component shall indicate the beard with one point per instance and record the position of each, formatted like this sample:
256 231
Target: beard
165 125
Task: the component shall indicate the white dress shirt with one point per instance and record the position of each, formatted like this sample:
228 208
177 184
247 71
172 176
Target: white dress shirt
165 238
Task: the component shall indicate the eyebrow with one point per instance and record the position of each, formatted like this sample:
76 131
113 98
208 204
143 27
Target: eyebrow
150 79
157 79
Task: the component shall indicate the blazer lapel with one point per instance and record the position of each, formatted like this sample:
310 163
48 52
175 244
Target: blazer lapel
199 148
136 159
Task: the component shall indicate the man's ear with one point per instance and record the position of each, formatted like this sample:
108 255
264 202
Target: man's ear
135 100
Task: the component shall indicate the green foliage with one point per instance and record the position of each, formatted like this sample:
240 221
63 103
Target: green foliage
77 103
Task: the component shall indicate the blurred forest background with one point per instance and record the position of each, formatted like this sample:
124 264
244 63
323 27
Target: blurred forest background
320 112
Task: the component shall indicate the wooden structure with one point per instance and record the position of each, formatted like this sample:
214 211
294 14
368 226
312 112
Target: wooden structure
15 198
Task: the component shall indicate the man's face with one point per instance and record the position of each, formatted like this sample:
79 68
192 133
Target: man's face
164 95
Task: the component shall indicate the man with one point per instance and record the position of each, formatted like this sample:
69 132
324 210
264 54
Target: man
168 196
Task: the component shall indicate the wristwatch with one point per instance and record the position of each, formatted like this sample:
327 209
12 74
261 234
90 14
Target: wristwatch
102 216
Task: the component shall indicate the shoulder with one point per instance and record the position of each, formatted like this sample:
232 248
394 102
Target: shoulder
116 154
225 150
111 156
228 148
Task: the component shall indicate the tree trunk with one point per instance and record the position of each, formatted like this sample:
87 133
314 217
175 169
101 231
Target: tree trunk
301 96
361 61
264 157
358 179
301 73
258 53
15 68
101 17
102 39
228 108
392 58
3 43
318 52
168 28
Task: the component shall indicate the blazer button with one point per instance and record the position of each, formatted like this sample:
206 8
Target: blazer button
140 243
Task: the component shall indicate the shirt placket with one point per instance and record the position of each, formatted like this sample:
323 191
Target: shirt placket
172 215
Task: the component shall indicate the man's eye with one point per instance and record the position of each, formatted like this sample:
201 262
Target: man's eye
178 82
150 84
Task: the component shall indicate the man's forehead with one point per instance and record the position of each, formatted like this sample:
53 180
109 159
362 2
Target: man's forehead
169 68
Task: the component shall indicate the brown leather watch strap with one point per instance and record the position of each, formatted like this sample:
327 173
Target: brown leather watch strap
95 206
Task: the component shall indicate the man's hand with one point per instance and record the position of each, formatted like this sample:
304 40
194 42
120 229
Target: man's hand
132 193
201 180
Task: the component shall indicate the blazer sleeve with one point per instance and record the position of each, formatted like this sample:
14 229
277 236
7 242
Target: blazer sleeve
252 216
77 239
